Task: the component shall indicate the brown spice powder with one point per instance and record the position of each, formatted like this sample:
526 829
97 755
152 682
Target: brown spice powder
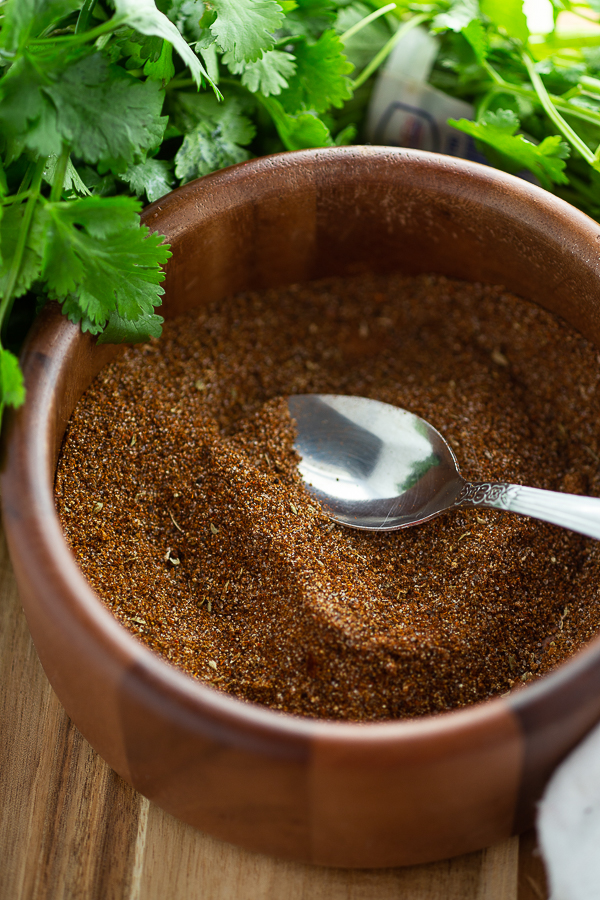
178 493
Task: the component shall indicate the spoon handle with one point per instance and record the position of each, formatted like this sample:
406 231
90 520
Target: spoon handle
581 514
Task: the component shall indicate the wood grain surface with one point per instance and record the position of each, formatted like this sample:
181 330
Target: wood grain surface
71 829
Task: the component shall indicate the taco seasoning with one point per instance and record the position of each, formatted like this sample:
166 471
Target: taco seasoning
179 495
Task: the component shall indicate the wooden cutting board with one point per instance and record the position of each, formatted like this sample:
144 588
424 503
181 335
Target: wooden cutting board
71 829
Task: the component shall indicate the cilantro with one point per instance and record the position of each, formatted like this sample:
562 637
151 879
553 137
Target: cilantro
125 331
96 252
217 140
497 131
185 15
31 263
360 48
312 17
507 15
245 28
72 310
458 16
298 132
94 105
12 389
268 75
320 80
146 18
152 178
104 113
477 37
161 69
26 19
72 181
145 48
27 116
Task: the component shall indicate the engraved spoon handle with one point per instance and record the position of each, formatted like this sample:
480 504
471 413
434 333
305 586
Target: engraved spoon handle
581 514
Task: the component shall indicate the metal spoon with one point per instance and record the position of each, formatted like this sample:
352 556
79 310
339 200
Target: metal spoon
374 466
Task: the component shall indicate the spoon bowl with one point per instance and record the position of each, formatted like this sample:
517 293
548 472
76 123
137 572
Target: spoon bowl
376 467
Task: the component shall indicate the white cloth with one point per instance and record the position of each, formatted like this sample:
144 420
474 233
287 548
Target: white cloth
569 824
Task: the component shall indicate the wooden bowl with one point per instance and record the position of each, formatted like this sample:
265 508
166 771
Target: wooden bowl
381 794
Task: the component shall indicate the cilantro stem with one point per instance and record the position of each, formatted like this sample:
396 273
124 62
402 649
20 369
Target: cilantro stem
500 86
358 26
577 112
84 16
15 268
59 175
16 198
26 180
586 115
554 115
387 49
85 36
590 84
495 76
180 81
290 39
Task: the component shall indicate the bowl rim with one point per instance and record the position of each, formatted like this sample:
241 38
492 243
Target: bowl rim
28 478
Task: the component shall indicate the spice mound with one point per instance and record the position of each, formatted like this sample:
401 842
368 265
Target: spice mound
179 494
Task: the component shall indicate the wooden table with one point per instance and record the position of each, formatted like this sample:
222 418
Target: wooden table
71 829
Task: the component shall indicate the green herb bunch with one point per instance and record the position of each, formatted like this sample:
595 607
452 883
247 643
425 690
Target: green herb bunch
107 104
536 96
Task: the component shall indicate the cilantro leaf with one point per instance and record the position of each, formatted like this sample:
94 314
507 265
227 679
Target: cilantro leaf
26 19
216 141
72 183
3 190
104 113
508 15
321 78
27 117
161 69
345 136
312 17
98 185
152 178
124 331
147 19
361 47
71 309
12 388
298 132
10 226
185 15
476 36
96 251
188 110
211 61
558 79
268 75
497 130
457 17
245 28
